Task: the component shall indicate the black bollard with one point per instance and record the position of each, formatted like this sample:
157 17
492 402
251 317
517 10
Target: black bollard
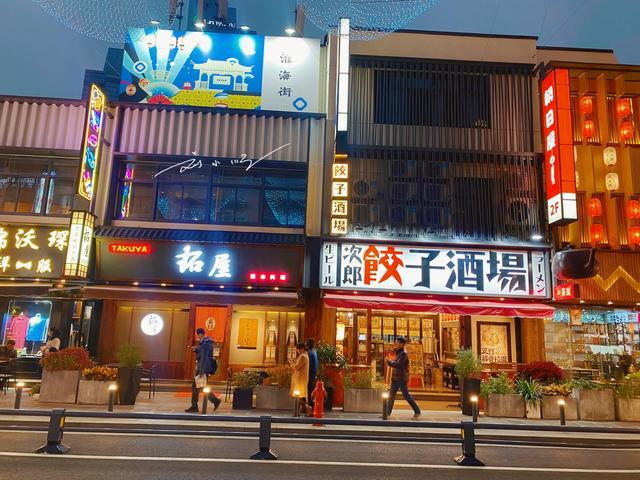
563 420
385 405
112 396
205 400
54 434
264 441
468 457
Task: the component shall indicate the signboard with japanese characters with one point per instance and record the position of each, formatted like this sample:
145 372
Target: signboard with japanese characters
426 269
558 148
339 195
29 251
221 70
199 263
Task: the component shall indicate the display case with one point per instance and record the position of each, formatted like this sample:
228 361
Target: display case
271 338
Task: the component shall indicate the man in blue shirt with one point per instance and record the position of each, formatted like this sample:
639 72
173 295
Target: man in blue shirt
205 365
313 369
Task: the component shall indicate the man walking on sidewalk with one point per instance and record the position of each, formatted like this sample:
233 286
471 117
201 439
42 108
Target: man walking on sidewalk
400 377
205 366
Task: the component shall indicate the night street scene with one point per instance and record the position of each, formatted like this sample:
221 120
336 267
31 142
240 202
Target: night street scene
320 239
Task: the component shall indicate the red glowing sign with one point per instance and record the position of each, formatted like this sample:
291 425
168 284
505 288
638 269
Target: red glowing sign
558 148
131 248
567 291
268 277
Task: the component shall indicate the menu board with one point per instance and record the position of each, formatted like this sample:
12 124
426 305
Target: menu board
416 362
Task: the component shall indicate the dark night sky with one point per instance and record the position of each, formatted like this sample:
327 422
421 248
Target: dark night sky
41 57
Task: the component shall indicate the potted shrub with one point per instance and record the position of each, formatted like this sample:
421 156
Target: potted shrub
61 374
332 365
595 401
273 394
468 367
244 383
531 393
363 392
129 373
500 399
627 401
550 396
94 385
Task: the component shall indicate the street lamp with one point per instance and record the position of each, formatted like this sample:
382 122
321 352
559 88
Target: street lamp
474 408
296 403
112 396
206 391
19 387
244 28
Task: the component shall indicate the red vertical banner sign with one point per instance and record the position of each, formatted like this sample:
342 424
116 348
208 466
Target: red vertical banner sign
558 148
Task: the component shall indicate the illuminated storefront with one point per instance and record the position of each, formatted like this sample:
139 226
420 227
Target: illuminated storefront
596 322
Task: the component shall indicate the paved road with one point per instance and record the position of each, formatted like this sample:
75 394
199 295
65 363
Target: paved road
168 457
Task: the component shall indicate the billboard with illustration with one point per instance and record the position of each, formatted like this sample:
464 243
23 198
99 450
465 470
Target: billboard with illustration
222 70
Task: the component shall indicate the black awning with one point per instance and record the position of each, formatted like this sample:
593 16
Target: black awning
202 236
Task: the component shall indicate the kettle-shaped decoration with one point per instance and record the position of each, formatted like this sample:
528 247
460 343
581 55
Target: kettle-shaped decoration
575 264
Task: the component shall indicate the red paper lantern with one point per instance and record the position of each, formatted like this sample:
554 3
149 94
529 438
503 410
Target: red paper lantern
586 105
634 235
633 209
597 233
595 207
588 129
623 107
626 130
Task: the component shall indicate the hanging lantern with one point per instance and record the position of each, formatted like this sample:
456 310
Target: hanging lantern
586 105
597 233
595 207
634 235
610 156
588 128
612 181
623 107
633 209
626 130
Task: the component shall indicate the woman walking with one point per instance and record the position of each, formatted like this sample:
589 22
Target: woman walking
300 376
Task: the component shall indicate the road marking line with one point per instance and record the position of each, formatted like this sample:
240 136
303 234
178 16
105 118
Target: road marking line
319 463
332 440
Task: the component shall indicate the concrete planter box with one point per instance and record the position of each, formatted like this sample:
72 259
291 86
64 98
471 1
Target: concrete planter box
60 386
628 410
363 400
595 404
551 410
91 392
533 410
509 405
273 397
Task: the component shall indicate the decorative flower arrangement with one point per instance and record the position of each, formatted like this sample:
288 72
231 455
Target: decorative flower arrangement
563 389
67 359
544 372
100 374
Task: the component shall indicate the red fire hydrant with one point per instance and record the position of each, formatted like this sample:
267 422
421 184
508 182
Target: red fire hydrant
319 394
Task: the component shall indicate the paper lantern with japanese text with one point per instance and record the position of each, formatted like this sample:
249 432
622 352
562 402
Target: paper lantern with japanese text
623 107
610 156
633 209
595 207
597 233
612 181
626 130
586 105
588 129
634 235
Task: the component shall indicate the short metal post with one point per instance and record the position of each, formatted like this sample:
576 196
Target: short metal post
563 420
205 400
385 405
468 457
296 403
54 434
474 408
264 441
18 400
112 396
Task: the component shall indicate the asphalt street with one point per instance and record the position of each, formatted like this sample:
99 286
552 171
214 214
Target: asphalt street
109 456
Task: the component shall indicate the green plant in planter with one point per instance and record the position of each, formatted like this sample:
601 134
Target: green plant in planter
129 355
586 384
329 355
467 364
246 380
500 385
280 376
530 390
628 389
363 379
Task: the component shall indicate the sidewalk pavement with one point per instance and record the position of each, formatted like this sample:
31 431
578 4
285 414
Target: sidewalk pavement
172 403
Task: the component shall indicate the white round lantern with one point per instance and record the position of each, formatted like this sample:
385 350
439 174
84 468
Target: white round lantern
611 181
609 156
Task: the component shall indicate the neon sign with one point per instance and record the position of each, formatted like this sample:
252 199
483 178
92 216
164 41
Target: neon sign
131 248
92 142
268 277
558 148
567 291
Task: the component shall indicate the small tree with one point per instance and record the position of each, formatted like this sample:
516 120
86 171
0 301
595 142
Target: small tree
467 364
